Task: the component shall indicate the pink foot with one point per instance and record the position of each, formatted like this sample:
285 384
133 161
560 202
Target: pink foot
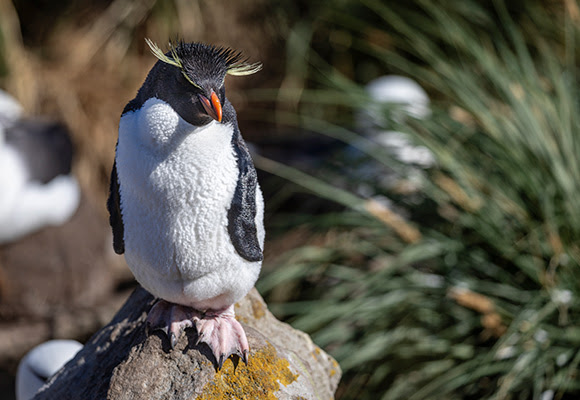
223 334
171 319
218 329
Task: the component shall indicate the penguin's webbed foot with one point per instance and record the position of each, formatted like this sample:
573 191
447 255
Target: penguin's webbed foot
218 329
171 318
223 334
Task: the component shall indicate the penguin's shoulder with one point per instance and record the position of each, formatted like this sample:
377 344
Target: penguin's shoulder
133 105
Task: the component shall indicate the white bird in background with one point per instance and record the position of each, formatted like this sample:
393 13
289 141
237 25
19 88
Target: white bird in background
393 98
40 363
10 109
413 102
36 188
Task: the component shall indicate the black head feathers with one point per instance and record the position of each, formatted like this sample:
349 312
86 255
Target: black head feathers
195 59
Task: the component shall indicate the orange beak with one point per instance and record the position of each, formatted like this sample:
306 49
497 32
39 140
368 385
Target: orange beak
212 106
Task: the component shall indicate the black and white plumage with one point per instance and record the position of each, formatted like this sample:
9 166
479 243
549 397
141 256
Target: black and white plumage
185 205
37 188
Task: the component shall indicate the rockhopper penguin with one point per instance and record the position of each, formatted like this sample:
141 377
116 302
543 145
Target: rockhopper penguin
185 205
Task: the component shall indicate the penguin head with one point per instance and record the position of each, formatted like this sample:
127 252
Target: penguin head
190 77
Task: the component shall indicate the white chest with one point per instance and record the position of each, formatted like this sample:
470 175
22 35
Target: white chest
176 185
160 154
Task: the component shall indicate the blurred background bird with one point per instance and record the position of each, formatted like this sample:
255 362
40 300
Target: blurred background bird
40 363
36 181
395 98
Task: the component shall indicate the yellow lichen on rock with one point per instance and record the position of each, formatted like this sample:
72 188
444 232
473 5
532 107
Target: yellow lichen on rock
335 367
260 380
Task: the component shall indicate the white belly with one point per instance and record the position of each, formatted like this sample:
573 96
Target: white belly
176 185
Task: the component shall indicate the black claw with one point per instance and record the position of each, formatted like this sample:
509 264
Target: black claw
164 329
172 340
221 361
150 328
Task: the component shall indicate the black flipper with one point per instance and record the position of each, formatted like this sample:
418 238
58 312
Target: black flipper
242 212
115 217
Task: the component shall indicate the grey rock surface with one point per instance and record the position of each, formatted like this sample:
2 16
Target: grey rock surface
122 361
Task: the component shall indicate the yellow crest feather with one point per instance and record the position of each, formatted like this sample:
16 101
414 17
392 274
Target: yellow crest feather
173 60
157 52
236 68
243 68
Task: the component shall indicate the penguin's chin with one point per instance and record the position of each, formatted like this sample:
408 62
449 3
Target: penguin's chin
199 120
206 120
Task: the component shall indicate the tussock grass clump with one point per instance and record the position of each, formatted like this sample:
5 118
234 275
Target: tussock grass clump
483 303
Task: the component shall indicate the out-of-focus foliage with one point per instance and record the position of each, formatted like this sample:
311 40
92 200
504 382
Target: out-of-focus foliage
484 302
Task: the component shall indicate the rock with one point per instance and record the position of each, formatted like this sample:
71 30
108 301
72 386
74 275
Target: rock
122 362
